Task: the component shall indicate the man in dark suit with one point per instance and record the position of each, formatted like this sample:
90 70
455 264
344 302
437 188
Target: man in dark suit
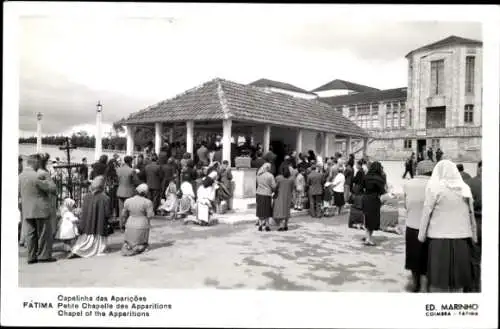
475 187
465 175
36 210
141 166
154 177
315 186
127 181
258 161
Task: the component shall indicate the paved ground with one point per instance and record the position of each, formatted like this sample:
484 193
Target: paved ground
314 254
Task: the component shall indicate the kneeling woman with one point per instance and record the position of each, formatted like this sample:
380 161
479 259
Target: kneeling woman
137 213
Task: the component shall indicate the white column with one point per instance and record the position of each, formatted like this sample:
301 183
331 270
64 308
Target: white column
227 126
348 145
39 132
267 138
189 136
298 146
130 140
158 130
365 146
98 133
171 135
326 145
333 138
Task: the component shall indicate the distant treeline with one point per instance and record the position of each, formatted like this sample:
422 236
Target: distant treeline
82 139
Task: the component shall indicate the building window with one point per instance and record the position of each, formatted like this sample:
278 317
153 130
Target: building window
410 117
437 77
435 143
395 115
388 115
363 115
374 118
402 114
407 143
352 112
469 114
470 63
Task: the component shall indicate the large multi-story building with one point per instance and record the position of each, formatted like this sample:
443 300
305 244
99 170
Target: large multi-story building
445 99
440 107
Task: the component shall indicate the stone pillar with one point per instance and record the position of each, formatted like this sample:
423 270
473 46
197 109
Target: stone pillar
267 138
158 130
171 135
348 145
39 132
190 137
98 132
227 126
365 146
130 140
298 146
326 145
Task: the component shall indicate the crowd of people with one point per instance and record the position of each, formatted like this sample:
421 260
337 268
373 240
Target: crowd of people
443 203
128 192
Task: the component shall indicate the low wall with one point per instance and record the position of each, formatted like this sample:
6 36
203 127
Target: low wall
244 182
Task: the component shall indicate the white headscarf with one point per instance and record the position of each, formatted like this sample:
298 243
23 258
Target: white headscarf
187 189
445 174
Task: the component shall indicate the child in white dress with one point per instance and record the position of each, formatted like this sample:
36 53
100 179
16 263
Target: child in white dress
67 231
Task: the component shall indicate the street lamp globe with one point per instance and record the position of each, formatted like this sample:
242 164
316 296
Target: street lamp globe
39 116
99 106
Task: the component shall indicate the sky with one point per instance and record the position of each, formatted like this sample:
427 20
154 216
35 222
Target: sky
68 64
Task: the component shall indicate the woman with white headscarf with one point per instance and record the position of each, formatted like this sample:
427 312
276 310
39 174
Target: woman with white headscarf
449 226
136 215
205 197
187 203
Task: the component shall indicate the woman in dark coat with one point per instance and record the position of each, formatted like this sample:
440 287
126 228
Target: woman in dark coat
285 185
373 187
93 224
112 186
356 216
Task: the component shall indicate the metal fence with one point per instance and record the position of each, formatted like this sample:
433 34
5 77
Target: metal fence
70 183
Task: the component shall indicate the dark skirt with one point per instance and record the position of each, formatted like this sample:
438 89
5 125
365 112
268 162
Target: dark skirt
371 210
449 266
338 198
356 217
416 252
264 206
328 194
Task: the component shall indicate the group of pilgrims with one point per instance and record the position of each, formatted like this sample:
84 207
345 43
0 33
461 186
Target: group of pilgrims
125 192
443 204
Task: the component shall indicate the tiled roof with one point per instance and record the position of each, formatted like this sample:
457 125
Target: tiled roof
219 99
342 84
280 85
367 97
449 41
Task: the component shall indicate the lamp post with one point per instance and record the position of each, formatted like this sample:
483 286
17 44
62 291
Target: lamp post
39 132
98 134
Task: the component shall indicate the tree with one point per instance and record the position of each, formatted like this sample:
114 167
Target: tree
118 127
